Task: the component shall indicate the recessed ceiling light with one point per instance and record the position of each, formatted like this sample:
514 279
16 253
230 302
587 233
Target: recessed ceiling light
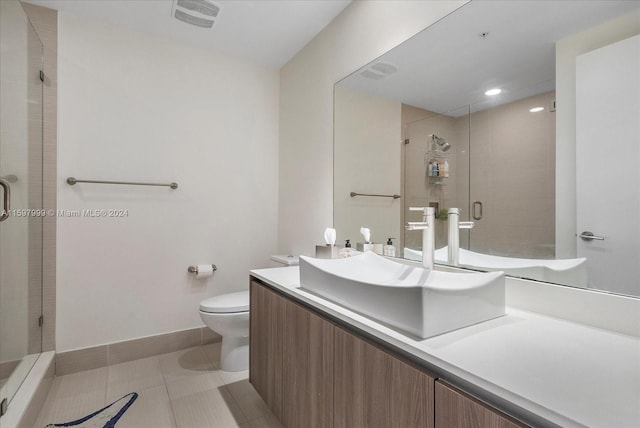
494 91
536 109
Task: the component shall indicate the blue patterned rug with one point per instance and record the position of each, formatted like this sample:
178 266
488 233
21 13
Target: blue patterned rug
103 418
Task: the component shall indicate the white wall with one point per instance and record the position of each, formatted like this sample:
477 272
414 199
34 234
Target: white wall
367 160
362 32
132 107
566 52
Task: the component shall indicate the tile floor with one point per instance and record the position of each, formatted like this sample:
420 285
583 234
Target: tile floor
184 389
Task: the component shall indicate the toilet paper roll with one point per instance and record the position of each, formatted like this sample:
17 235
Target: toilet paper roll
204 271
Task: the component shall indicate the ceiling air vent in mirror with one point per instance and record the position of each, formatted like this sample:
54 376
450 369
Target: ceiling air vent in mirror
201 13
378 70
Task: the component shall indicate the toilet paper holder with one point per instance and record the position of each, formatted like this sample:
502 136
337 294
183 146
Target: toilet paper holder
194 269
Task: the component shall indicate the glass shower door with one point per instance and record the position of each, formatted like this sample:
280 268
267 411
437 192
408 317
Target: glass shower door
436 174
21 211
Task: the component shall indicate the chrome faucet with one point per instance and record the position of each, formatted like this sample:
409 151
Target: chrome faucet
427 227
453 254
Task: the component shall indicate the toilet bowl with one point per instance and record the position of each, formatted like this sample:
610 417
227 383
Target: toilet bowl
228 315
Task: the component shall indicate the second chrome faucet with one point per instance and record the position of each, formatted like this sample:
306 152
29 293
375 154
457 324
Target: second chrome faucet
453 250
427 225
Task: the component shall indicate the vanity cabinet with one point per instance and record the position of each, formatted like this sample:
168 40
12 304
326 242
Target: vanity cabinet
307 371
265 345
375 389
455 409
291 359
314 373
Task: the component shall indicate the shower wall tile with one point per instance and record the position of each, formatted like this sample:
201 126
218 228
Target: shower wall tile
45 22
513 174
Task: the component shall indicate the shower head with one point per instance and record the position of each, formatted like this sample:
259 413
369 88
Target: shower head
440 142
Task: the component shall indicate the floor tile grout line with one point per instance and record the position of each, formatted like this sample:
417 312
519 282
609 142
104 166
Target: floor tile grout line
166 389
106 386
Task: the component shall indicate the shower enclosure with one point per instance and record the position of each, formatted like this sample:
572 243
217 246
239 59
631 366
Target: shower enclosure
21 213
436 171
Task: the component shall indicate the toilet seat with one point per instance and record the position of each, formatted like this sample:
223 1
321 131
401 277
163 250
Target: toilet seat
226 303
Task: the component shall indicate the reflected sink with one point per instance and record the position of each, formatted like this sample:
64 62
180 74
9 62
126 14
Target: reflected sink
413 300
562 271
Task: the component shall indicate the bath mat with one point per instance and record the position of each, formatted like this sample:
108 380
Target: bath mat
103 418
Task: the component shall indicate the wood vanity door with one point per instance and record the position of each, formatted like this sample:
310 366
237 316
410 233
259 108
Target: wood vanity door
307 378
265 345
455 409
375 389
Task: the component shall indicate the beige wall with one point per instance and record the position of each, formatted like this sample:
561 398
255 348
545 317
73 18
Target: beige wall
367 160
362 32
513 175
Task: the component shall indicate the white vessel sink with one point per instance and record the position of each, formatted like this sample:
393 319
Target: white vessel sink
564 271
411 299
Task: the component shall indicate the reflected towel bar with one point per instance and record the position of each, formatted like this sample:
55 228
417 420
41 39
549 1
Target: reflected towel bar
352 194
72 180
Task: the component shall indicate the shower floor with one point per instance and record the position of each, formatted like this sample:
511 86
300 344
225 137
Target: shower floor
184 389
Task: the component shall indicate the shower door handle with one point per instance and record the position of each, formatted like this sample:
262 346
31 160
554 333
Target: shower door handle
6 199
477 213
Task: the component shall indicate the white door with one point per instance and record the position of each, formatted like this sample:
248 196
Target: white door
608 164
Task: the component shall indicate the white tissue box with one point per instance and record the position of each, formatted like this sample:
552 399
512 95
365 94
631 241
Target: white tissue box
376 248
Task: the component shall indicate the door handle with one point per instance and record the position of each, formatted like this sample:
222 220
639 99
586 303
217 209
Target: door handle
477 214
6 199
589 236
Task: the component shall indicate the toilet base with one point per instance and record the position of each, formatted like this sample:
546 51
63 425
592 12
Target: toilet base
234 354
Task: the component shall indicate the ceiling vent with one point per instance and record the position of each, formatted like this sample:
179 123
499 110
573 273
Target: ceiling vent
201 13
379 70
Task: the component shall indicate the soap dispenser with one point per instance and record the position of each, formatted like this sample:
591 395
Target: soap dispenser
347 251
389 249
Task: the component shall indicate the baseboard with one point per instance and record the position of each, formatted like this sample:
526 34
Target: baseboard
119 352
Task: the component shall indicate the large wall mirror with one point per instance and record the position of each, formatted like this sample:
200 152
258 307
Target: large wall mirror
546 167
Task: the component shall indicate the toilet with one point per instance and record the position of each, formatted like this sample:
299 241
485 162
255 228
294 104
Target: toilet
228 315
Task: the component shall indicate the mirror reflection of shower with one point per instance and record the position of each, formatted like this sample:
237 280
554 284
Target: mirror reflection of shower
441 143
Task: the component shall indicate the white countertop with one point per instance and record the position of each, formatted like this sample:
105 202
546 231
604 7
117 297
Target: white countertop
566 373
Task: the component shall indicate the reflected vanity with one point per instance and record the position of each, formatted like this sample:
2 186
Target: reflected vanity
518 167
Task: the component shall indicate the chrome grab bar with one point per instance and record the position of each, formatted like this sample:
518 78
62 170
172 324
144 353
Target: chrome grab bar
72 180
352 194
589 236
7 199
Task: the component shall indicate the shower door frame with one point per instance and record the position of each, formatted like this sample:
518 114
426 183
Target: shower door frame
26 213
